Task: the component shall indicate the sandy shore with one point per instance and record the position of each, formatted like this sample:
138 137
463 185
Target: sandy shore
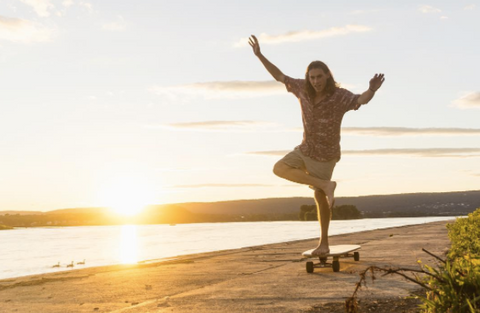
268 278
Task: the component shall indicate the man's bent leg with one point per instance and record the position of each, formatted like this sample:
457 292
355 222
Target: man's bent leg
324 216
296 175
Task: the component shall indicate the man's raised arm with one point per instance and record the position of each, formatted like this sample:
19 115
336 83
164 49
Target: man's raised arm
272 69
375 83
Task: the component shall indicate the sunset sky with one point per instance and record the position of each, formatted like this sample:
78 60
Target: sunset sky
126 103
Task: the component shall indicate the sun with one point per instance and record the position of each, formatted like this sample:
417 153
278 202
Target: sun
128 195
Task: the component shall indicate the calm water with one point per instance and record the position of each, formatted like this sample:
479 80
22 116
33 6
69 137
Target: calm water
27 251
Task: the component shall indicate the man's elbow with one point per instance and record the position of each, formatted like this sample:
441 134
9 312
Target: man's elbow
363 100
280 78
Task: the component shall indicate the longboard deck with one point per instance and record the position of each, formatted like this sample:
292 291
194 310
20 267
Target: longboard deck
336 252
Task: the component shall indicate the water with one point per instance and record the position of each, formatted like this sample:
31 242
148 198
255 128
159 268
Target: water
27 251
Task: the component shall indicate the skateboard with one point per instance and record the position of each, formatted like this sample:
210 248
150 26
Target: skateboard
336 252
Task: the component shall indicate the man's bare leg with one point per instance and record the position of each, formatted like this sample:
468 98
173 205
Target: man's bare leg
324 216
282 170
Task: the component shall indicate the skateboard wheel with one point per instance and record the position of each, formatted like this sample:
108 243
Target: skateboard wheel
336 266
356 256
309 267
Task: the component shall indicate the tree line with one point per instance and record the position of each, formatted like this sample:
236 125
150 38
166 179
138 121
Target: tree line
341 212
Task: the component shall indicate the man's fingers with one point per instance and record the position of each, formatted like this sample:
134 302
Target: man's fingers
378 80
379 76
253 41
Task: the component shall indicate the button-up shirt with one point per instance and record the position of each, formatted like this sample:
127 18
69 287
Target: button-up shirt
322 121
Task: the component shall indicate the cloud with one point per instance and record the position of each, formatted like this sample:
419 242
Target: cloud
114 27
470 7
348 131
222 185
86 5
468 101
428 9
117 26
216 90
41 7
108 61
403 131
184 169
425 152
305 35
218 126
358 12
471 173
269 153
67 3
24 31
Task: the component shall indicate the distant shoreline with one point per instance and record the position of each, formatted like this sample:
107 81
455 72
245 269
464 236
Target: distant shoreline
207 222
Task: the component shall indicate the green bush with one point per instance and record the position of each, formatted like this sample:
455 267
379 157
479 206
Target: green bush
455 287
455 284
465 236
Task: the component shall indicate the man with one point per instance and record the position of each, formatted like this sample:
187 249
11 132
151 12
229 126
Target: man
323 105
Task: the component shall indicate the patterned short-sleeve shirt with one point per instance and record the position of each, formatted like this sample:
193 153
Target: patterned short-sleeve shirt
322 121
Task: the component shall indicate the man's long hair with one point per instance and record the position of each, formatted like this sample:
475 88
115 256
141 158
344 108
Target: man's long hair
331 83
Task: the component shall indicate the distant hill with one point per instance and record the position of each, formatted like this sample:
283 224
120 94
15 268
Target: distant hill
89 210
412 204
416 204
21 212
255 206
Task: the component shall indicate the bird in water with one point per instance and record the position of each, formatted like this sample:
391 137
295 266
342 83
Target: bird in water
70 265
57 265
81 263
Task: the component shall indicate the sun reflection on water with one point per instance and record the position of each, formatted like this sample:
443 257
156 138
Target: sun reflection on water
129 245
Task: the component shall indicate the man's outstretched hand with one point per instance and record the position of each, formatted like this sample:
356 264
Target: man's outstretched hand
376 82
253 42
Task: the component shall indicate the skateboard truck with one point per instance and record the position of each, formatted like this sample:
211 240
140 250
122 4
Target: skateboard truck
336 252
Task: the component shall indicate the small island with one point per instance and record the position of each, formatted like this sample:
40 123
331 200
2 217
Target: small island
5 227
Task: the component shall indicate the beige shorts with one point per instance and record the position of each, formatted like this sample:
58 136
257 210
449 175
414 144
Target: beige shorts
319 169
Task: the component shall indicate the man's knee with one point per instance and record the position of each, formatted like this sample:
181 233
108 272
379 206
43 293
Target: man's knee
279 168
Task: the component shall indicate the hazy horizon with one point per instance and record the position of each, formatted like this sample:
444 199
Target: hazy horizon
108 104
